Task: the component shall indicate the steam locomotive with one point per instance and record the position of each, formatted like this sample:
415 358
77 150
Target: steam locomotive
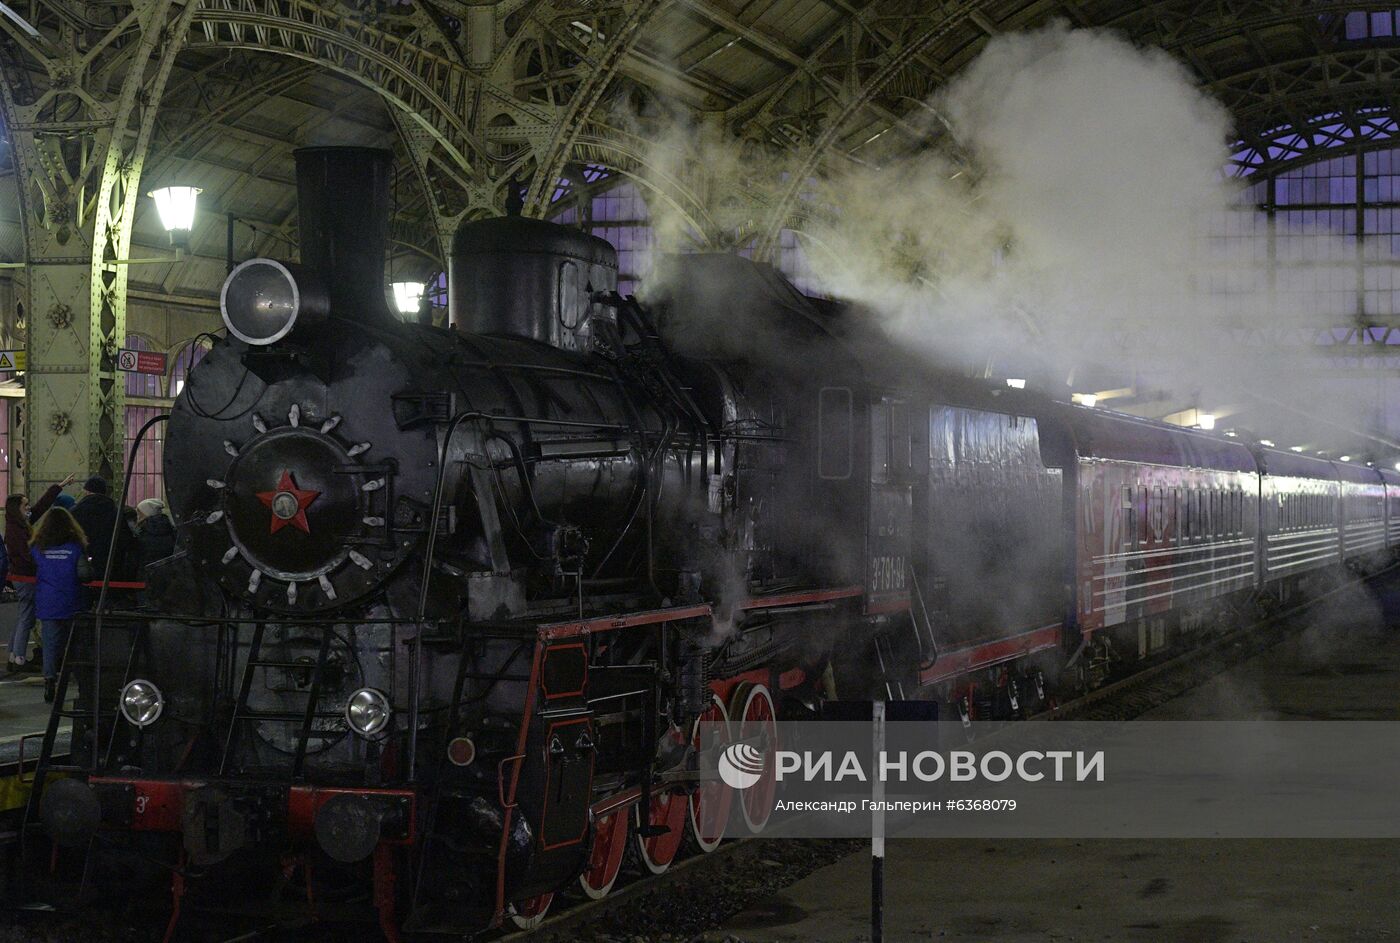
448 604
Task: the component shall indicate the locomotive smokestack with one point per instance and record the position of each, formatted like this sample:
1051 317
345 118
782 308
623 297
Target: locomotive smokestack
343 207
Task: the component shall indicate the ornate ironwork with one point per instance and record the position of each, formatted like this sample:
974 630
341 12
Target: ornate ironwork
80 99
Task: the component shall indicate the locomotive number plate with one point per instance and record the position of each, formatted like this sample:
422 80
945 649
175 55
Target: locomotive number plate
887 573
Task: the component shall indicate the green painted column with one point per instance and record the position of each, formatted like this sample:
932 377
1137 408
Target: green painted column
79 115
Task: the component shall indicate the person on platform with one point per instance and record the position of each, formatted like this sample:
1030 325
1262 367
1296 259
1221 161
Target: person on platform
96 514
19 527
155 530
59 549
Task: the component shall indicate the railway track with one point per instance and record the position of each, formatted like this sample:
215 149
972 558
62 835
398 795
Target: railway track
697 894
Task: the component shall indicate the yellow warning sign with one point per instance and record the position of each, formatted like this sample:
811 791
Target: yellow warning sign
12 360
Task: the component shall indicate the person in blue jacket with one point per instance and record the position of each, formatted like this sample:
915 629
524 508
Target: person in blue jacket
59 549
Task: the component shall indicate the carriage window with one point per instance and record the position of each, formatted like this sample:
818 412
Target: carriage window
1157 514
835 428
571 309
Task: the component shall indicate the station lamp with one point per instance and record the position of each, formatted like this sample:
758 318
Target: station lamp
1295 448
1346 458
1086 399
408 297
1016 383
1205 421
176 206
1267 443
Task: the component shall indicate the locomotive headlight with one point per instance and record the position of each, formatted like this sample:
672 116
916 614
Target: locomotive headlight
141 703
367 712
263 300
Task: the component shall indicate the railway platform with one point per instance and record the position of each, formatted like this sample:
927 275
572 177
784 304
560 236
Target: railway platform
1343 665
22 707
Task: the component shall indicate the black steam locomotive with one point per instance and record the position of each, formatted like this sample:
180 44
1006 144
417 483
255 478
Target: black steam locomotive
448 604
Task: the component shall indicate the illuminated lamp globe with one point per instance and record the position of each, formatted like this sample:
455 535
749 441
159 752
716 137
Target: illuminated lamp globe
176 206
408 296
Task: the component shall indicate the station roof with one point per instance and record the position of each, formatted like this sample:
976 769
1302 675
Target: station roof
772 68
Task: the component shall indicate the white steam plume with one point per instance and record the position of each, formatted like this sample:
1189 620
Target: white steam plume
1081 240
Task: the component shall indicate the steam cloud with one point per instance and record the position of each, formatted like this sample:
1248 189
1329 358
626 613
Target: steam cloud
1079 243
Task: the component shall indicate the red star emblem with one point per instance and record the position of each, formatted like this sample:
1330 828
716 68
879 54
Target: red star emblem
288 504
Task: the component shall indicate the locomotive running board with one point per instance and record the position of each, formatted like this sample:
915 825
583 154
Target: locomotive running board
577 627
960 661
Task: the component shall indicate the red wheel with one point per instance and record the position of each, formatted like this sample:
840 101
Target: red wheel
758 727
605 858
709 804
667 811
530 913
